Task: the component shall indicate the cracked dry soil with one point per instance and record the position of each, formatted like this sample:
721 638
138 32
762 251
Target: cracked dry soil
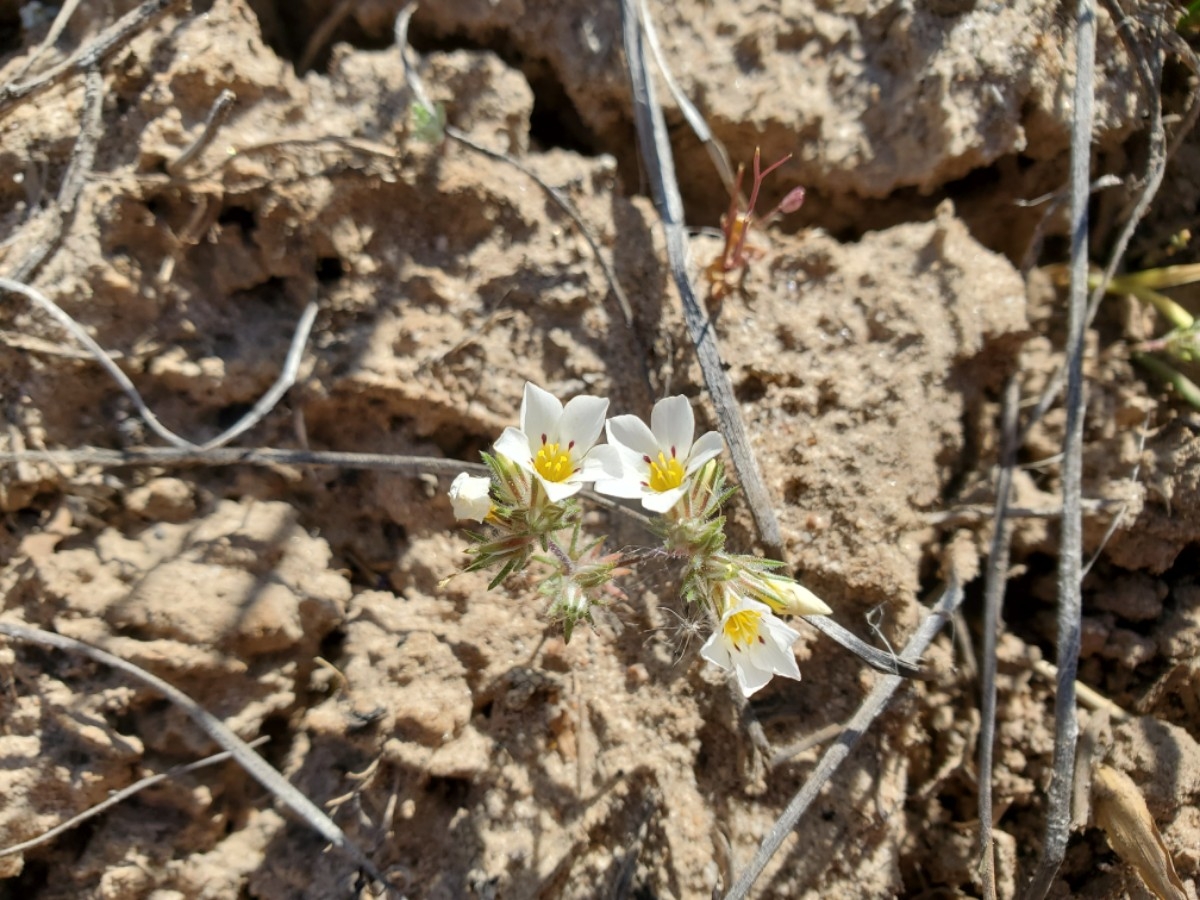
448 729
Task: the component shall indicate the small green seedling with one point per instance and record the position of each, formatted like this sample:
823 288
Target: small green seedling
1161 356
736 255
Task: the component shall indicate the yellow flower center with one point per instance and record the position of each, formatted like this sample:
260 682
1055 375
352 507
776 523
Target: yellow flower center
742 628
666 473
553 463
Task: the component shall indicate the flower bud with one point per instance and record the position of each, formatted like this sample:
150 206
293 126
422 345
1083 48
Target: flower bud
471 497
785 596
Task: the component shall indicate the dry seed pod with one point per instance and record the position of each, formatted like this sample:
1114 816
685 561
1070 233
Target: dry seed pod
1119 808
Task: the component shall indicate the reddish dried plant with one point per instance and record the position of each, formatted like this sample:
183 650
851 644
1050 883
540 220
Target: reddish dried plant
736 255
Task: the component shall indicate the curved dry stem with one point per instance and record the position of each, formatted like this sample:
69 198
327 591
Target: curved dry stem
560 200
255 765
264 405
123 795
105 45
716 150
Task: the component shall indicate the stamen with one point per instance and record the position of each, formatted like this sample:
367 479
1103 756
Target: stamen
665 475
554 464
742 627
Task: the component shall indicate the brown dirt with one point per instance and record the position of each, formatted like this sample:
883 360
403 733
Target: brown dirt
449 729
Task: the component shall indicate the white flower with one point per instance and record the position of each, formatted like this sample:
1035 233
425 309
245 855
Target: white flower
752 642
555 443
471 497
658 461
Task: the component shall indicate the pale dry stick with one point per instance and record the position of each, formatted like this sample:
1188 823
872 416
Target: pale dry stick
83 157
1156 159
287 377
217 114
716 150
267 456
257 767
1070 601
407 56
51 38
285 380
660 170
36 297
1089 698
816 739
1156 168
122 795
993 592
871 708
105 45
1055 198
979 512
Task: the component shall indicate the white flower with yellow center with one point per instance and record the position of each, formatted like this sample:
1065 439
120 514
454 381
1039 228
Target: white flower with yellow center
555 442
658 461
753 643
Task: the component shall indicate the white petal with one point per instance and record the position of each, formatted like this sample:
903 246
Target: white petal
540 414
633 464
751 679
581 422
716 651
774 658
606 460
709 445
660 502
673 425
618 487
515 445
558 491
631 432
783 635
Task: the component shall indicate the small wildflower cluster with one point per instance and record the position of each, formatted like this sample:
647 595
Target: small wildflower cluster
531 511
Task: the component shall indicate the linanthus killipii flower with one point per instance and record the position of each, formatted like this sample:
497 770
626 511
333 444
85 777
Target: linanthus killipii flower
556 443
659 461
752 642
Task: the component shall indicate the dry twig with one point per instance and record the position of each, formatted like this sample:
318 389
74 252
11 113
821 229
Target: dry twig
123 795
286 379
105 45
660 170
55 220
407 55
1070 602
255 765
997 577
217 115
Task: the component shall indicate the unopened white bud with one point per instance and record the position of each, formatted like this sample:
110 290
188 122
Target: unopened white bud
471 497
796 599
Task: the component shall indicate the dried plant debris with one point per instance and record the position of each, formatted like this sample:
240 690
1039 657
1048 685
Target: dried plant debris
1120 809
